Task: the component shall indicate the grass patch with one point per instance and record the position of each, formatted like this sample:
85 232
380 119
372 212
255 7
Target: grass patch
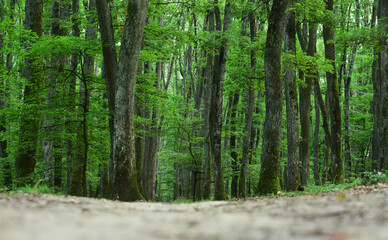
38 188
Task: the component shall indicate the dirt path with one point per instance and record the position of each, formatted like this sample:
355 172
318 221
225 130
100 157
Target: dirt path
360 213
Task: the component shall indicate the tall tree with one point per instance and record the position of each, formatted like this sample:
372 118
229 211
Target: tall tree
270 158
56 69
382 69
304 107
110 66
125 184
208 76
70 146
25 158
233 147
250 99
78 177
337 174
215 116
291 93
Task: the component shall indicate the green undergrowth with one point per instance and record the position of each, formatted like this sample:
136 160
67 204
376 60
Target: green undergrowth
38 188
368 178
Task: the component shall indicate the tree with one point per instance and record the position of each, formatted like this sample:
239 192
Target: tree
216 100
125 181
233 148
25 158
270 159
291 93
381 78
207 76
250 99
337 174
110 65
78 176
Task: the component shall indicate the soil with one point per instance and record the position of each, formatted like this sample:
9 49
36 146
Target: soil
358 213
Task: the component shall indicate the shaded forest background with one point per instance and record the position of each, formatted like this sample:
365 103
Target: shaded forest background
231 98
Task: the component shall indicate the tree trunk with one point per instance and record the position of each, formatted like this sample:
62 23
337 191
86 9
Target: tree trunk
48 144
375 102
71 99
208 75
215 116
233 151
125 181
151 149
382 68
347 81
316 140
25 155
305 108
337 175
250 99
78 176
291 93
270 159
110 65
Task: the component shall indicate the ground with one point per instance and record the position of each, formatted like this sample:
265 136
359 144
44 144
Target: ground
359 213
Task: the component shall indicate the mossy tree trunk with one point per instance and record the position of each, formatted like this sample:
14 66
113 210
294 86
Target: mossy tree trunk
293 176
270 159
125 186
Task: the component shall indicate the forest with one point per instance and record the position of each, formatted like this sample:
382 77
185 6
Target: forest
161 100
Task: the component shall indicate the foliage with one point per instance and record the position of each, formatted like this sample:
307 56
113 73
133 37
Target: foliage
177 35
374 178
38 188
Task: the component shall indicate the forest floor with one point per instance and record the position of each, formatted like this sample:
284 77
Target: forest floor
357 213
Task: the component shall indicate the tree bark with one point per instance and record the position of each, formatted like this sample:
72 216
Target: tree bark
110 65
305 107
249 133
25 155
375 102
71 99
382 68
316 139
291 93
233 151
125 181
347 81
151 149
337 173
207 75
215 116
270 160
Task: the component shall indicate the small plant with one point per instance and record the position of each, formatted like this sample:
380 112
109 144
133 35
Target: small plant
37 188
374 177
